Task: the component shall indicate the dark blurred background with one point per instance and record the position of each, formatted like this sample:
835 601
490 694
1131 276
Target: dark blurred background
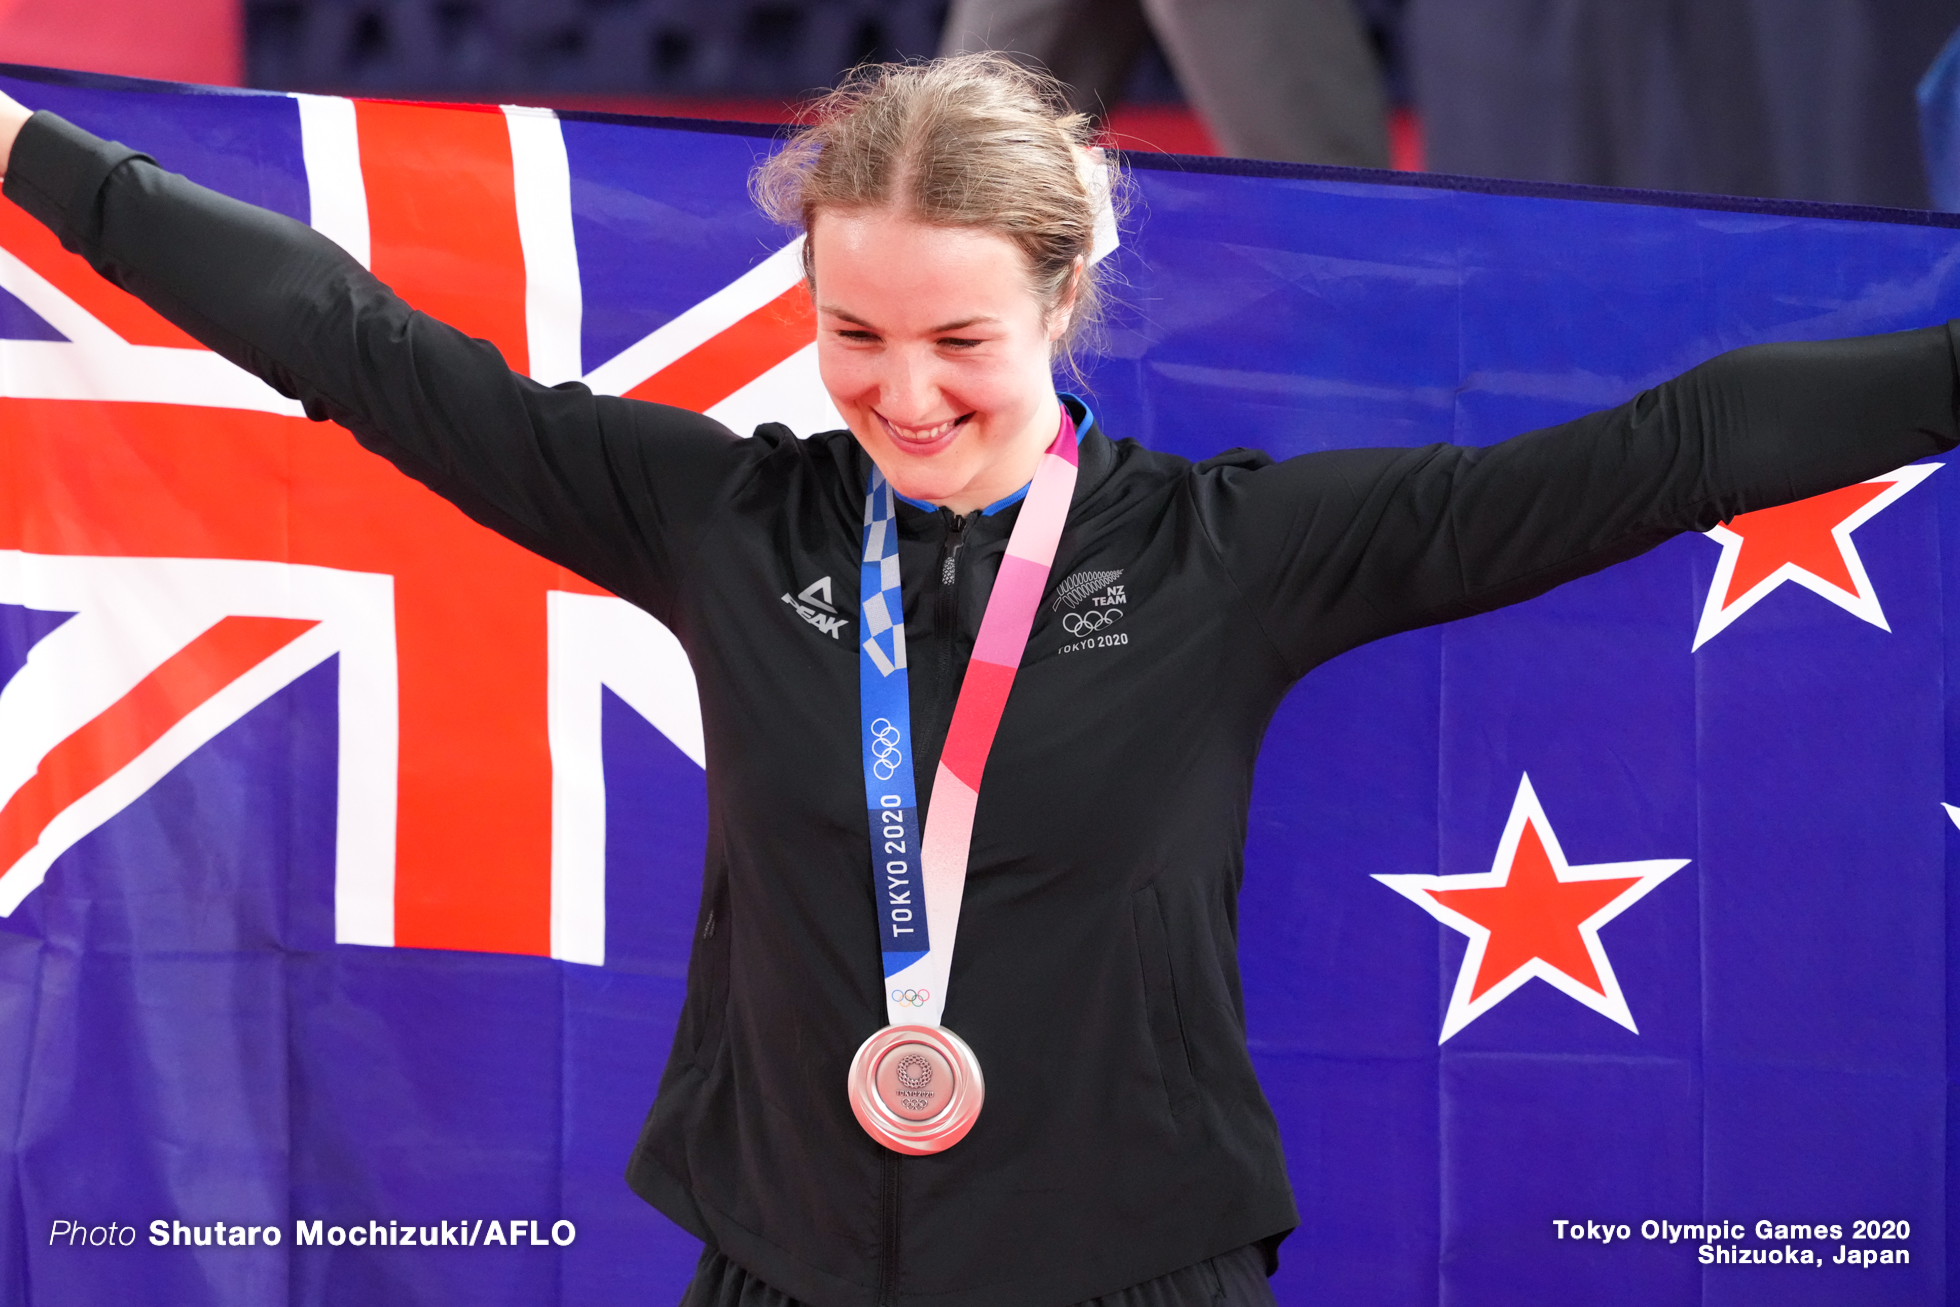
1804 99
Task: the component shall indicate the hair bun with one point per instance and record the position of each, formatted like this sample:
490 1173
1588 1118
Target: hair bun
970 140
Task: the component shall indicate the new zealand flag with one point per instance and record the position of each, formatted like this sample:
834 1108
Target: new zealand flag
1596 950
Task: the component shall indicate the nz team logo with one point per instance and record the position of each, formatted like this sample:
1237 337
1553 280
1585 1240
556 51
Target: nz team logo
1092 603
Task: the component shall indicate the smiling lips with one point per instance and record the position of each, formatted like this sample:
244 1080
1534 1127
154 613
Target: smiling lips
923 440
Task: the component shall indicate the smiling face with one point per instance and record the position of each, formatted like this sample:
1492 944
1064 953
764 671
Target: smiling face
936 352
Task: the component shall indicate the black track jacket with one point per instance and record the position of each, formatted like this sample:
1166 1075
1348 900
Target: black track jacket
1096 975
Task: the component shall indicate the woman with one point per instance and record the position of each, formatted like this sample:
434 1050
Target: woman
1124 1152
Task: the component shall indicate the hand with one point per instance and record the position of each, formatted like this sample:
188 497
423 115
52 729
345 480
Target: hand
13 116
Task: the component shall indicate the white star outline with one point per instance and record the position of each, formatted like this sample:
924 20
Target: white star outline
1861 603
1527 809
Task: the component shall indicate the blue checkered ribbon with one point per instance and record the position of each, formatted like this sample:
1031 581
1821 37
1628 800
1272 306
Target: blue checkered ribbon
881 600
885 704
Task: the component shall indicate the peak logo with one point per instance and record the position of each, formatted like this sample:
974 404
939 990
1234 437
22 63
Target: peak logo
814 606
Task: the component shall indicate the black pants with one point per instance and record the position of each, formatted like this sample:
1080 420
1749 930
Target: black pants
1274 79
1234 1279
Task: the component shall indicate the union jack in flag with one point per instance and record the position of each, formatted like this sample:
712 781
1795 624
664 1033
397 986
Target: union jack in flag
209 546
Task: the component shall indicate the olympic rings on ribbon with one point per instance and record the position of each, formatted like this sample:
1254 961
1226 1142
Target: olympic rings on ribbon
884 749
911 997
1090 622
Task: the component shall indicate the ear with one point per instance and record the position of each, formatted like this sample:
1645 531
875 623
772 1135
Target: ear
809 254
1064 312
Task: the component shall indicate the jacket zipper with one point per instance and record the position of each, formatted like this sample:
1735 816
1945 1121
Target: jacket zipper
947 615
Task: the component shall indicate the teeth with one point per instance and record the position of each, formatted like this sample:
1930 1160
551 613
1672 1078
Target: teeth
920 435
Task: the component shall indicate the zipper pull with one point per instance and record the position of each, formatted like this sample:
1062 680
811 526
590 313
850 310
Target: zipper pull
955 537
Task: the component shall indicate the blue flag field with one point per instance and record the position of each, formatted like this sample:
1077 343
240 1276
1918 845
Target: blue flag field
1595 950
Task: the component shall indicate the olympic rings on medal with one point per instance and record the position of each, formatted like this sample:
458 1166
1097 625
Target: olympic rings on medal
884 749
1090 622
911 997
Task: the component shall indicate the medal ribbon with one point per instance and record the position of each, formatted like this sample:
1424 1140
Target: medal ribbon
921 881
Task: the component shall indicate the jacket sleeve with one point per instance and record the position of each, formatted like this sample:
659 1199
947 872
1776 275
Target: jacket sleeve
613 489
1334 549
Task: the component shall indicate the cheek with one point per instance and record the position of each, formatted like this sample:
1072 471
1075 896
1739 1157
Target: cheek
999 379
846 374
987 390
1001 385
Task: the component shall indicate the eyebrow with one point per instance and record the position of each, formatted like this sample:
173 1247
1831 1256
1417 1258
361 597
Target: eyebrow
848 316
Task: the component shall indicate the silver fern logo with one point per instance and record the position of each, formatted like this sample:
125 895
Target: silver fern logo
1095 602
1080 586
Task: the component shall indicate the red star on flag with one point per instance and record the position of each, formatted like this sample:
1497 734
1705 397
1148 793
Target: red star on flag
1808 542
1534 914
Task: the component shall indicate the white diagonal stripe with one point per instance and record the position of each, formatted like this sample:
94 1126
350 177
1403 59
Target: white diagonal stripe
53 305
131 615
791 393
700 324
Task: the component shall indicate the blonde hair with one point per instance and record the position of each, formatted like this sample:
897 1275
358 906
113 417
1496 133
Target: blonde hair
970 140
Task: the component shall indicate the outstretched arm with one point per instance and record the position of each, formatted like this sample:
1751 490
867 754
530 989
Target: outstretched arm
13 117
613 489
1343 547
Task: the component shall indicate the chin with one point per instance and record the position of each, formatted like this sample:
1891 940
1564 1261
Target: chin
933 474
930 487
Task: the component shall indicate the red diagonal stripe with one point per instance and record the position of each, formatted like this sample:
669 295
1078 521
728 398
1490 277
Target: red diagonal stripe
442 217
118 310
138 720
717 368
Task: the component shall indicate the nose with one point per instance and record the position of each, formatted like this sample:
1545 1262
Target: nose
908 393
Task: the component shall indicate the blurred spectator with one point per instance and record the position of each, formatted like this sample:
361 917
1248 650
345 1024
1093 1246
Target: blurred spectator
775 49
1297 80
1801 99
183 40
1939 125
